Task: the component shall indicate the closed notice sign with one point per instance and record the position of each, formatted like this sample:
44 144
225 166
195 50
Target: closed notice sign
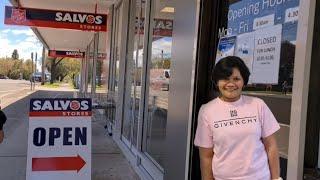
59 139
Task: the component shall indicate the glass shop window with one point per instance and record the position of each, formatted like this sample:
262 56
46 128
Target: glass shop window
263 33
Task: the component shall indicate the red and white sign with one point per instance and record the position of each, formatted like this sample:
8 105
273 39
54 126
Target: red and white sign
18 15
162 27
101 56
55 19
59 139
71 54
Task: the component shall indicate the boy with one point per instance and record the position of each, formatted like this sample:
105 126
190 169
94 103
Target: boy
3 119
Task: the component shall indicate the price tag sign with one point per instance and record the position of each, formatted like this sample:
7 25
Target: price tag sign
263 22
292 14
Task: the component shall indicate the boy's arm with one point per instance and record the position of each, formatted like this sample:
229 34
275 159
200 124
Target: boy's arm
1 136
3 119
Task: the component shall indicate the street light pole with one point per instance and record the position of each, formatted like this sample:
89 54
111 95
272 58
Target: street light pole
35 70
162 61
42 66
31 78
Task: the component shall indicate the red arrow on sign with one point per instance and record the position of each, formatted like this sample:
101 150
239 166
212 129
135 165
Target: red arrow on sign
58 163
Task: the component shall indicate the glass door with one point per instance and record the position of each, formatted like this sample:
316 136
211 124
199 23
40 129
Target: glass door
264 35
113 80
90 67
114 76
116 51
133 76
158 78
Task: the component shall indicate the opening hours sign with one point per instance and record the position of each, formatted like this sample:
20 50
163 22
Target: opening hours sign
59 139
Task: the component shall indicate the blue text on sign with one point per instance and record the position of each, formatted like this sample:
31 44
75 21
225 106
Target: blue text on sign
70 136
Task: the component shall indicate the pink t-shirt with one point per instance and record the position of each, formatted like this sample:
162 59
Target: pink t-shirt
234 131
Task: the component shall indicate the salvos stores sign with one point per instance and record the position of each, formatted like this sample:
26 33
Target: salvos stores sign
55 19
59 139
71 54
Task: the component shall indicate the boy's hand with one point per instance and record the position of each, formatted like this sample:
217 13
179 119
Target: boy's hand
1 136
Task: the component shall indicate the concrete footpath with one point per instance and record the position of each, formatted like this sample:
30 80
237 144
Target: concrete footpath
108 162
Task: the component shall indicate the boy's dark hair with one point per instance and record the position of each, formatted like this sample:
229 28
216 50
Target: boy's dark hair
3 119
224 69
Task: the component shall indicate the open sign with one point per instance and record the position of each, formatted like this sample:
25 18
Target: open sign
59 139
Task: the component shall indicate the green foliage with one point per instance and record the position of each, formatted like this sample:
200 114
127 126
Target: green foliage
99 72
13 68
61 68
161 63
54 85
27 69
16 69
166 63
73 84
5 66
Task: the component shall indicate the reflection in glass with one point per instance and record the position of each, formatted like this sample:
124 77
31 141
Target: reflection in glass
102 65
90 66
101 79
112 94
131 117
263 34
159 77
116 52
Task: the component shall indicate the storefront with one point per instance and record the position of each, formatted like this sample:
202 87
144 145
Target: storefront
161 57
151 71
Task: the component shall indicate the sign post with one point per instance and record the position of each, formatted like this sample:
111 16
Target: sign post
32 73
59 139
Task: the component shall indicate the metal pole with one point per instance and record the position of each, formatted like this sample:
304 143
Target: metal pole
94 66
162 60
42 65
86 80
35 70
35 64
31 78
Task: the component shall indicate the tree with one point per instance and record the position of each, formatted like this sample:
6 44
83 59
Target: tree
15 54
14 68
161 63
68 69
51 65
99 71
72 67
166 63
5 66
60 68
27 69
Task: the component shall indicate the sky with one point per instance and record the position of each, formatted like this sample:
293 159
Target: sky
21 38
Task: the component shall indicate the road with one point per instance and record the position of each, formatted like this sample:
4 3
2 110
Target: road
11 90
8 86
